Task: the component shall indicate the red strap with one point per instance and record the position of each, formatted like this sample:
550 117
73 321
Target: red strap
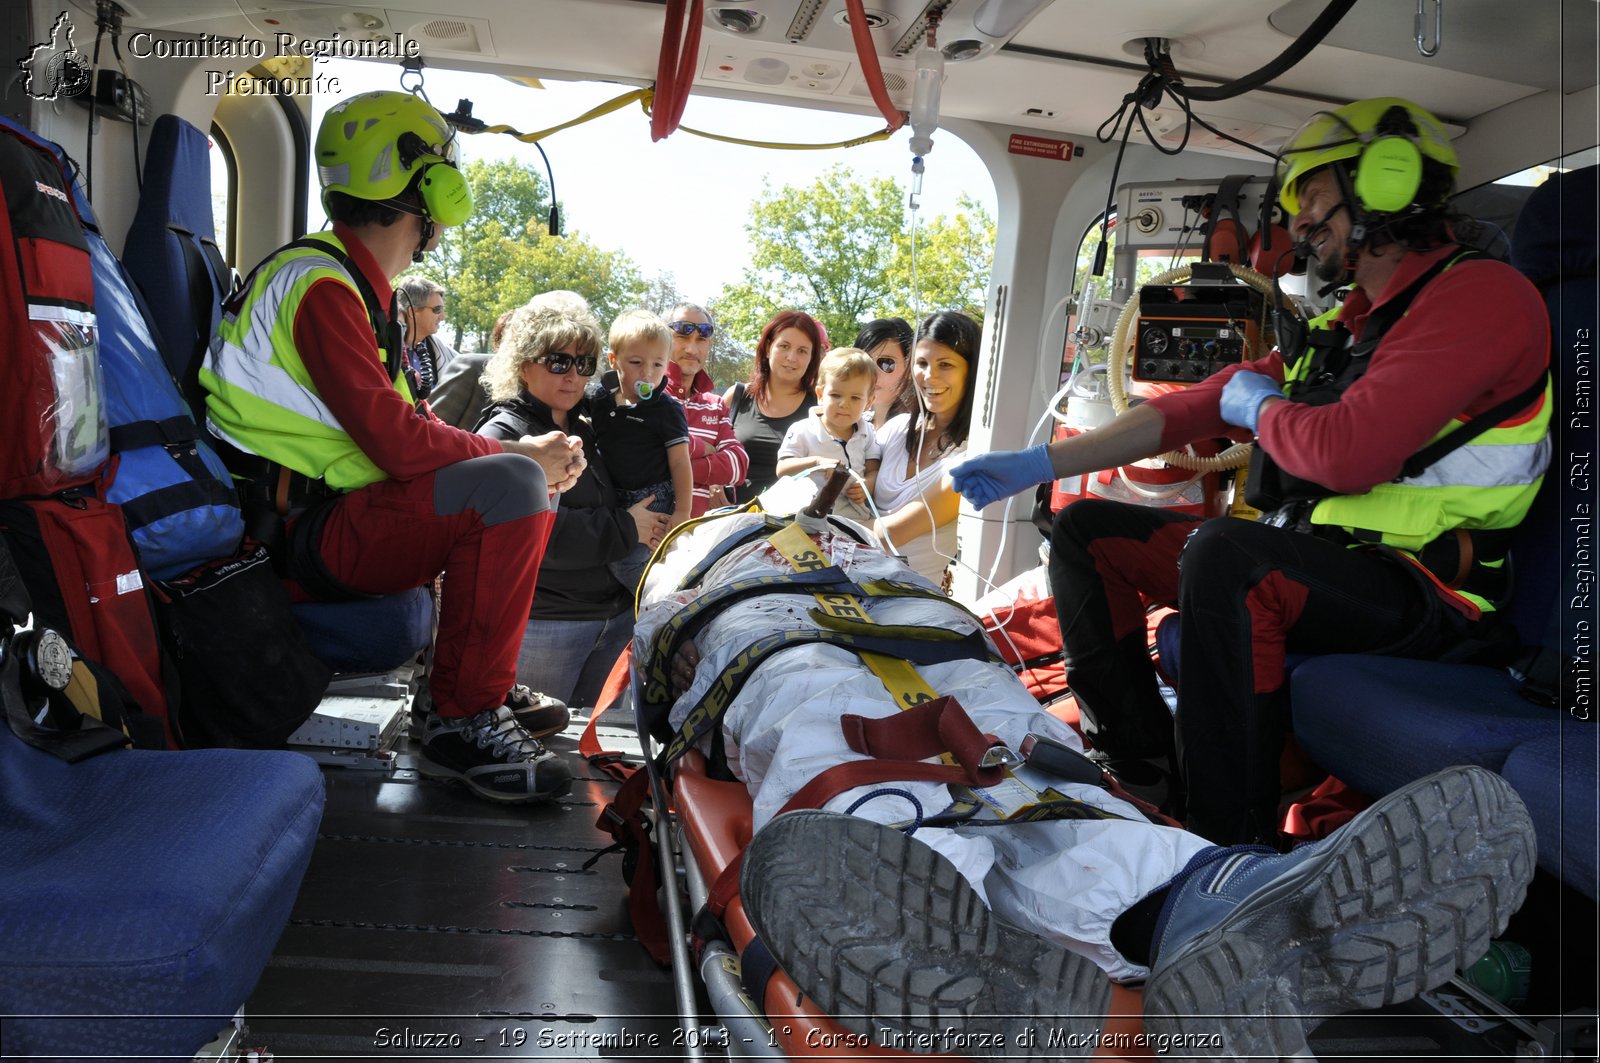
616 684
900 745
930 729
623 819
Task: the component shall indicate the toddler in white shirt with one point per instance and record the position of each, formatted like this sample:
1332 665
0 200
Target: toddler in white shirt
838 430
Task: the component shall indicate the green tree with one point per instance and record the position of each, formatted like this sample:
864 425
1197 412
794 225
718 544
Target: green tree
503 255
825 249
507 197
842 251
954 258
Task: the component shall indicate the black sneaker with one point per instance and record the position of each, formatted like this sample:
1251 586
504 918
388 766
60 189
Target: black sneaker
539 714
493 756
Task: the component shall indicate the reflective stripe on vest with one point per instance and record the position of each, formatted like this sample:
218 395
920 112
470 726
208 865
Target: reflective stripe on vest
261 398
1486 484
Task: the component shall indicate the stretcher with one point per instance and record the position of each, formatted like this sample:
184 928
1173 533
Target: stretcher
711 820
698 826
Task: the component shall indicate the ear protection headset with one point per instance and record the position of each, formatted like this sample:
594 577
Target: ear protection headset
1226 237
445 194
1389 168
1271 250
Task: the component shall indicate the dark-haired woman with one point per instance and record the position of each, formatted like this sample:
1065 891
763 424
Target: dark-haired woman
914 493
780 391
888 341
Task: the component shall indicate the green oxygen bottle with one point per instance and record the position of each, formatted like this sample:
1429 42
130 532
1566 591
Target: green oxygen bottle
1504 973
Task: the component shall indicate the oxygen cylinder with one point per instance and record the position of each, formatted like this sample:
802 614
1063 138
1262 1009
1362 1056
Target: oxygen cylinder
1147 483
1152 482
1087 406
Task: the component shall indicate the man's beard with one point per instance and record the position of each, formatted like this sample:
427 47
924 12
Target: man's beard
1330 270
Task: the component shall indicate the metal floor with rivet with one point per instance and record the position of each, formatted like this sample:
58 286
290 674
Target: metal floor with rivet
433 924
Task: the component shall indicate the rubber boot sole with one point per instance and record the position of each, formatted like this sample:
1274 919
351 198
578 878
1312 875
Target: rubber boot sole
1411 892
888 938
441 773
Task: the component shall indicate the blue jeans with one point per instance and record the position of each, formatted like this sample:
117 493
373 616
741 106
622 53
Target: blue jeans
570 659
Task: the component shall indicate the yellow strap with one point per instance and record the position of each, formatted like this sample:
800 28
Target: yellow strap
643 96
1013 799
883 134
899 678
646 97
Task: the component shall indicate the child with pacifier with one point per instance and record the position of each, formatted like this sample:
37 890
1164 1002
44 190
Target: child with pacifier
640 430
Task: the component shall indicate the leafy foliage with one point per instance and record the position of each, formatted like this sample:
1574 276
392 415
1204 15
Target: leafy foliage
504 255
841 250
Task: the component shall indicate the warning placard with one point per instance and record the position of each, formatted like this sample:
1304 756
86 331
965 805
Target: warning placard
1040 147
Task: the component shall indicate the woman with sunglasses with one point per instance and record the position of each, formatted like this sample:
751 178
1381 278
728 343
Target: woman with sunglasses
888 340
780 392
915 497
716 457
582 616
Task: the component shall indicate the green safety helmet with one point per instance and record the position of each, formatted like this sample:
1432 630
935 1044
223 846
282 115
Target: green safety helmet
373 145
1386 137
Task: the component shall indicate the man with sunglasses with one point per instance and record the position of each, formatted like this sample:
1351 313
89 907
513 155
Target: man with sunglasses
362 490
422 311
1399 440
716 457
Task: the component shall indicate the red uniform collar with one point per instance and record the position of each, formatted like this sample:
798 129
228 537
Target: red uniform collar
1358 305
365 262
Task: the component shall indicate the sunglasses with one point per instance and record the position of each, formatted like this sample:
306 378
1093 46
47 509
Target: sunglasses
436 309
558 362
689 328
887 365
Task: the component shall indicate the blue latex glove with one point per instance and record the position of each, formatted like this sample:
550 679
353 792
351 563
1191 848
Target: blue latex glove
990 477
1243 395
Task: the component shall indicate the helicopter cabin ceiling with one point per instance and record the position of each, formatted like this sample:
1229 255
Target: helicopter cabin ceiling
1057 65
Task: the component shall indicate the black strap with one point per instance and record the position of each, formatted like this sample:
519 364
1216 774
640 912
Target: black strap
173 430
178 498
385 327
1385 317
206 292
1472 429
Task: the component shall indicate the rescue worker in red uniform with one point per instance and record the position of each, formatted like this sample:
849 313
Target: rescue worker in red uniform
304 385
1379 534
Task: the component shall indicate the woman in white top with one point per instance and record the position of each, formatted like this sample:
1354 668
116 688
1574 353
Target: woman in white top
914 493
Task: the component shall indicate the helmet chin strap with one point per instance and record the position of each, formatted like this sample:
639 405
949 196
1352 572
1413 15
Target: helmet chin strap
1302 246
422 245
428 226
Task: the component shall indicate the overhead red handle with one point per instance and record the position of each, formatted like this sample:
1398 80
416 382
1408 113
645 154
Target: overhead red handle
675 67
870 68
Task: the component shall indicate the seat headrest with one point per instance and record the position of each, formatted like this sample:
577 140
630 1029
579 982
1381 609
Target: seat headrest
1556 231
177 176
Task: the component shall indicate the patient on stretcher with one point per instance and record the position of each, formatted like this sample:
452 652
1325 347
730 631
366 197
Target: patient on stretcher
983 916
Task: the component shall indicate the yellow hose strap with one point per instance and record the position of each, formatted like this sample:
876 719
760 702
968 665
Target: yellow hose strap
643 96
883 134
646 97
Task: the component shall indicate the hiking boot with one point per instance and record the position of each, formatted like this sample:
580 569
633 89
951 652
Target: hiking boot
493 756
539 714
888 938
1253 948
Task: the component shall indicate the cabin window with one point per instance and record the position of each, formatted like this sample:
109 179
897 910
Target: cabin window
224 192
